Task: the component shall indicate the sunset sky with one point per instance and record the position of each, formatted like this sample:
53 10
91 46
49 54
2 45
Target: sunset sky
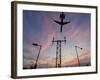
39 27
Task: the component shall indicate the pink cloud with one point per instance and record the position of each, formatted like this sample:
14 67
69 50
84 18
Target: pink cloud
84 59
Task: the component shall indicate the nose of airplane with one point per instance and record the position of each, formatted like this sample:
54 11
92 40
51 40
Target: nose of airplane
62 16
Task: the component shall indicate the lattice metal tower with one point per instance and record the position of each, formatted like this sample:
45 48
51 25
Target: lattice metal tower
58 51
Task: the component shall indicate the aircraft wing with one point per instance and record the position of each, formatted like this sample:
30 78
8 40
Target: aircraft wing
66 22
57 22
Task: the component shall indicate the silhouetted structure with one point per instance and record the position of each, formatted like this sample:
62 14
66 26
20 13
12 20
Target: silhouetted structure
59 42
35 66
58 51
77 54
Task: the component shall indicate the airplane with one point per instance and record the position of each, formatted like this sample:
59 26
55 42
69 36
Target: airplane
62 17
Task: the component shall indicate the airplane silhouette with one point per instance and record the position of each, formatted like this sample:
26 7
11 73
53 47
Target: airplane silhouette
62 17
